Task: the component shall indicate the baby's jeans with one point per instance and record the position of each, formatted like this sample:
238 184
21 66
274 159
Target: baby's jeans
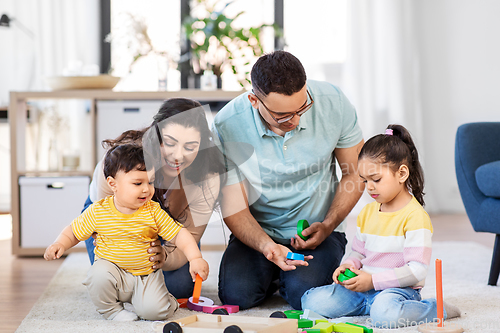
109 286
389 308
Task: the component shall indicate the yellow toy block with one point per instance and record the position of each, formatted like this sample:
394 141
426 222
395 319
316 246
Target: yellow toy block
324 327
344 328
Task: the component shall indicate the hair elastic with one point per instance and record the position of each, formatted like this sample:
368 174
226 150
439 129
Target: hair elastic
388 131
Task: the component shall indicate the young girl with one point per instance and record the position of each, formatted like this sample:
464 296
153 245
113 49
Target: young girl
392 249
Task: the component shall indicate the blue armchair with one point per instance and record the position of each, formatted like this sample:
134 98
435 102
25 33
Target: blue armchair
477 163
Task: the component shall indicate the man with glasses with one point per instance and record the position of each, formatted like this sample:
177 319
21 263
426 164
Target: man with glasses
297 131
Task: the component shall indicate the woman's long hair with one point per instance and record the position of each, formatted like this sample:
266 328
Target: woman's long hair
208 161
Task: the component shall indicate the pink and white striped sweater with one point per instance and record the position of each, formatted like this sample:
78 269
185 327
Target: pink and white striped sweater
395 247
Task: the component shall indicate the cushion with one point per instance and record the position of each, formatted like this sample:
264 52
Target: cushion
488 179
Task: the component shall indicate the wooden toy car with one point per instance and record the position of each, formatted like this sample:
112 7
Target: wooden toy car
205 323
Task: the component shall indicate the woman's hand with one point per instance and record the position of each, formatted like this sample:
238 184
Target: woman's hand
159 254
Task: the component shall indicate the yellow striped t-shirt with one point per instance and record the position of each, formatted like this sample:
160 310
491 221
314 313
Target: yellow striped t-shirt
125 238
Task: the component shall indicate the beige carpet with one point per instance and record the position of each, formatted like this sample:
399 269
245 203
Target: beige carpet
66 307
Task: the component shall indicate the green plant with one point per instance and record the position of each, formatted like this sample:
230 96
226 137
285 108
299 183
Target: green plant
217 45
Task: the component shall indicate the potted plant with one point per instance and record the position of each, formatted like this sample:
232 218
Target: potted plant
215 45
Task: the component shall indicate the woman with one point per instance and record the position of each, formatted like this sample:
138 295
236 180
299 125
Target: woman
189 176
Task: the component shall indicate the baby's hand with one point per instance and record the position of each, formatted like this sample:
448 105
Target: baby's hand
54 251
198 266
340 269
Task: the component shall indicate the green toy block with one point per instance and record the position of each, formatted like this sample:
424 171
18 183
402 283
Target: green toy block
365 329
305 323
344 328
324 327
349 273
346 275
312 330
293 314
301 225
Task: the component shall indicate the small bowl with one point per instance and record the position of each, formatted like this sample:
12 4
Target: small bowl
82 82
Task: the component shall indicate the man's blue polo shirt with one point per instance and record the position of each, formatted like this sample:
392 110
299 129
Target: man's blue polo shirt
291 177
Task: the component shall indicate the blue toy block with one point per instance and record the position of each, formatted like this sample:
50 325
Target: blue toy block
294 256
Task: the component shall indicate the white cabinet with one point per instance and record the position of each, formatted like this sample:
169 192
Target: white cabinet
48 204
115 117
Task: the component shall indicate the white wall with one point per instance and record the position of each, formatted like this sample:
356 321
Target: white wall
460 82
63 31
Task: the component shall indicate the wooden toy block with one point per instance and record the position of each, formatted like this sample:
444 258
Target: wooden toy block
309 314
294 256
197 288
182 302
324 327
346 328
228 308
365 329
301 225
305 323
293 314
206 305
205 323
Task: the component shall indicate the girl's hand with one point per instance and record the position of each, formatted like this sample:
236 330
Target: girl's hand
54 251
341 269
198 266
361 283
158 254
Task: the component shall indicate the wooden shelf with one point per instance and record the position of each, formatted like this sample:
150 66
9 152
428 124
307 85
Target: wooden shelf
18 110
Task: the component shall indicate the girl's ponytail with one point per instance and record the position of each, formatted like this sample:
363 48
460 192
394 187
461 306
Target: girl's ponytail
396 147
416 179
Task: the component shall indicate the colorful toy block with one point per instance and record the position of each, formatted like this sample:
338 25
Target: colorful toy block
305 323
346 328
294 256
324 327
293 314
365 329
311 315
346 275
301 225
197 288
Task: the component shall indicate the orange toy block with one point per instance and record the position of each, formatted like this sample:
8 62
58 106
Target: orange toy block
197 289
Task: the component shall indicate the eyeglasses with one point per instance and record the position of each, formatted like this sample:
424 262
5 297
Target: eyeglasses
290 115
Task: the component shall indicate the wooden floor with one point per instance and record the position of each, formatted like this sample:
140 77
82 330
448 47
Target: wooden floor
22 280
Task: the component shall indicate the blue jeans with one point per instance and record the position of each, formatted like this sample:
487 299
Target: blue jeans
179 282
389 308
247 278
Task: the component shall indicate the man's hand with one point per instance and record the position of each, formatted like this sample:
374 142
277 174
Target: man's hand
54 251
317 233
276 253
158 254
361 283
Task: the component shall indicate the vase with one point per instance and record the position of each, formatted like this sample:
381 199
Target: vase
53 158
162 63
